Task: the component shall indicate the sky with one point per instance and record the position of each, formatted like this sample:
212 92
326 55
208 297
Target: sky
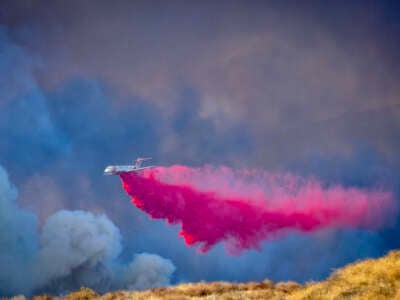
309 87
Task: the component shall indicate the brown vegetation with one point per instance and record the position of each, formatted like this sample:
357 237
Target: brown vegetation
368 279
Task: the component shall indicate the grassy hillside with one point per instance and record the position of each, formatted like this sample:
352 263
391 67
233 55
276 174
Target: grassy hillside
368 279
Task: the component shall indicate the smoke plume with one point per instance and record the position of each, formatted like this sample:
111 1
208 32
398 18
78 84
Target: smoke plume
147 271
72 249
244 208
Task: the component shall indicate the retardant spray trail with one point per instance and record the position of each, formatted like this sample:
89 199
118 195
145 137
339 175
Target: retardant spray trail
244 208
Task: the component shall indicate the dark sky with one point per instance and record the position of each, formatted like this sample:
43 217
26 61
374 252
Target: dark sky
310 87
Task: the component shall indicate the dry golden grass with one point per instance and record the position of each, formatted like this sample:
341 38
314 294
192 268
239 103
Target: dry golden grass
368 279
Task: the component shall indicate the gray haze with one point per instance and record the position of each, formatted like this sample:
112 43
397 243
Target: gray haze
311 88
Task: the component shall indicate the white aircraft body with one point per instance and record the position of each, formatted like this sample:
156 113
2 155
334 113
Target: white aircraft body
136 167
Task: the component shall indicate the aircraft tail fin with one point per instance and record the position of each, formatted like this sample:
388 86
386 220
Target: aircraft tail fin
139 160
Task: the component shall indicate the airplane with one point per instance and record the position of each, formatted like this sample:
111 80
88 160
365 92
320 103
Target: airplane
136 167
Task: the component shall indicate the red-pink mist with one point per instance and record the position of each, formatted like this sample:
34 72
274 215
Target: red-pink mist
245 207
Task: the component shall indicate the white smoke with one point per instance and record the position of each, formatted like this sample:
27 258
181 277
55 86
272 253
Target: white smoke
75 248
147 271
71 240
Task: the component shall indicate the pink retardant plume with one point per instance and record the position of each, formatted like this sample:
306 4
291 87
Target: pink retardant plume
243 208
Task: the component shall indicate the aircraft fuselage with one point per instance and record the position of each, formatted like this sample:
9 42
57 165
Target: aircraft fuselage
115 170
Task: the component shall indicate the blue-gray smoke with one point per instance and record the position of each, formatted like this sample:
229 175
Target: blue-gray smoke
242 90
72 249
